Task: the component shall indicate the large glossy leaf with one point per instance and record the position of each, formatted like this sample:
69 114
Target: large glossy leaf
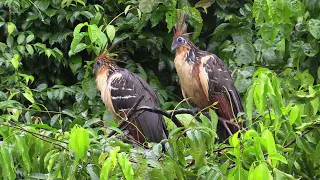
146 5
245 54
125 166
79 141
89 87
111 32
314 28
75 63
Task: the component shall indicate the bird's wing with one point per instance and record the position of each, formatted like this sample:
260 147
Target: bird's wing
126 89
218 86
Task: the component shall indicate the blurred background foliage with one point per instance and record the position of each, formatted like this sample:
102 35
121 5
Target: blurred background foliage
48 92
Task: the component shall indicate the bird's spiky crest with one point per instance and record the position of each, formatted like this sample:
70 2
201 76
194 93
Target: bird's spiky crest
181 27
105 54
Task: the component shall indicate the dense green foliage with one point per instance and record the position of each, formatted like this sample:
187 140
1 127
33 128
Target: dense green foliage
53 123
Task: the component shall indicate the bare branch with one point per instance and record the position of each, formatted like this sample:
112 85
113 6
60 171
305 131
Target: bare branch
124 123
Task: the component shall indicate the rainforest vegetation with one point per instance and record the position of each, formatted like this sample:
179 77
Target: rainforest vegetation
53 124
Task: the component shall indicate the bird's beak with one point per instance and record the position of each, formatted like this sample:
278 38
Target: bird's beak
94 70
174 46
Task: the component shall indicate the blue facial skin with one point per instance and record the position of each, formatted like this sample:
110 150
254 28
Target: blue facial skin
179 41
97 65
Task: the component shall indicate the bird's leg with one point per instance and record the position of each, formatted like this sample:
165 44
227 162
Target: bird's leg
225 122
225 125
230 122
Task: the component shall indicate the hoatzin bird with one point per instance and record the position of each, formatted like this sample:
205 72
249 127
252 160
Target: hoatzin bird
205 79
120 90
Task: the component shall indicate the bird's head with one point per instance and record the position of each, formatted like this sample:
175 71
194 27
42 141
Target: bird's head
179 41
180 37
103 61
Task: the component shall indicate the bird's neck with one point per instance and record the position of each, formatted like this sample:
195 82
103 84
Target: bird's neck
189 52
102 76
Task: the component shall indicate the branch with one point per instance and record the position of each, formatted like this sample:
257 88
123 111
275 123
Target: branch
294 140
164 113
215 150
34 133
129 114
39 136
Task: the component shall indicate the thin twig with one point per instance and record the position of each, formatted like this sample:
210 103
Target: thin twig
221 149
39 136
129 114
294 140
164 113
33 133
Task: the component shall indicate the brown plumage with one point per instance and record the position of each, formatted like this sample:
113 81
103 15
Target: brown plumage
120 90
205 79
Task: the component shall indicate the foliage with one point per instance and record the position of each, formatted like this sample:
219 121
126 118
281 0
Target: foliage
54 125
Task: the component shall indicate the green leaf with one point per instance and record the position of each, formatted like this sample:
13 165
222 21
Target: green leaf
214 120
11 27
102 39
157 149
258 150
24 152
91 122
269 32
249 104
54 119
125 166
204 3
21 38
277 156
315 105
7 166
96 19
75 63
30 49
42 4
109 164
80 47
42 87
304 145
282 175
89 87
281 45
314 28
21 49
29 97
48 52
9 41
79 141
93 32
276 105
146 5
15 61
245 54
171 17
139 13
77 36
262 172
111 32
30 37
294 114
196 20
269 141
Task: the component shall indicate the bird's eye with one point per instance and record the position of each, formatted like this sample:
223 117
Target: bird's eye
180 39
99 62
